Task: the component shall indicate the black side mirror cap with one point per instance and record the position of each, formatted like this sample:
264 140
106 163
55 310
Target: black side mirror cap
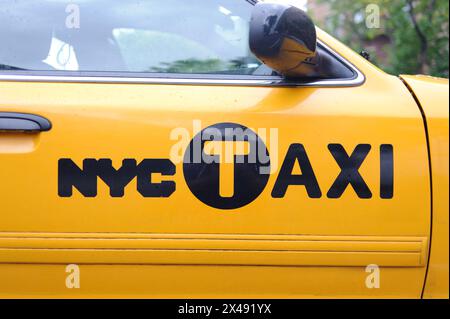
284 38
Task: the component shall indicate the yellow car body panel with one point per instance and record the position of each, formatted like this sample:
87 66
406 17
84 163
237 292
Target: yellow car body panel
178 247
432 94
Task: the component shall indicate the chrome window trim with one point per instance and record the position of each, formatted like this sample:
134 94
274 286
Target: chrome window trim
172 79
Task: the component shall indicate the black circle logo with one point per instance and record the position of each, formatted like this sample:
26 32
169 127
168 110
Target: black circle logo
226 166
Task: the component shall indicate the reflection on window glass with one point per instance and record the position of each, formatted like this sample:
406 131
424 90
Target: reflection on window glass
170 36
61 56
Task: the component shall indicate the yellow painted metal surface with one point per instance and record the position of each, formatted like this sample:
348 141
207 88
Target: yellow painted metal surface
179 247
163 281
258 250
433 96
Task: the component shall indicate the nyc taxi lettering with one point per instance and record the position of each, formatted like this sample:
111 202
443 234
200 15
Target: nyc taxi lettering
248 171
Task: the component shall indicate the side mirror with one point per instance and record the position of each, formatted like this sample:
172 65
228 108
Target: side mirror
284 38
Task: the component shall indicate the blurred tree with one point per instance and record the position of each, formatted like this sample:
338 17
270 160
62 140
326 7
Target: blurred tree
243 66
190 66
416 33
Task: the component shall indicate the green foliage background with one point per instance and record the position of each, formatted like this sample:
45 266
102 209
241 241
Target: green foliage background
418 32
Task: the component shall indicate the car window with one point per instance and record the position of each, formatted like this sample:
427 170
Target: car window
160 36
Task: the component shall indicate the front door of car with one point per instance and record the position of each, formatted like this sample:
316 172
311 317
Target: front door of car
177 165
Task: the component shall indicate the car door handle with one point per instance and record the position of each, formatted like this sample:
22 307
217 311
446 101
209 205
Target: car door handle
22 122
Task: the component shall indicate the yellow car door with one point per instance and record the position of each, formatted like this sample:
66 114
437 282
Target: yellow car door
126 145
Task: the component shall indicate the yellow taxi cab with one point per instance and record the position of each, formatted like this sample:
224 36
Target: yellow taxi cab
213 149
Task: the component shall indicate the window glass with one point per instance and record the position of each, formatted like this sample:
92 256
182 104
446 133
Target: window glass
163 36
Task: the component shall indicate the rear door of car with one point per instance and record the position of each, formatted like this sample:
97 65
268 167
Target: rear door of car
178 166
